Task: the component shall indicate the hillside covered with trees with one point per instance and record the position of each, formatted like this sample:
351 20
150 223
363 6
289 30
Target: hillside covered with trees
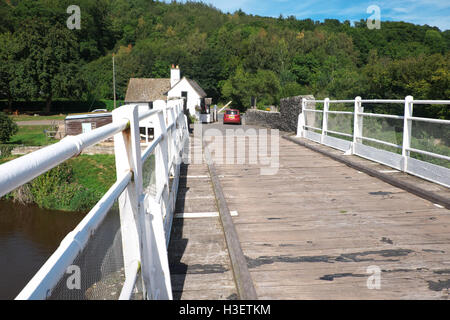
233 56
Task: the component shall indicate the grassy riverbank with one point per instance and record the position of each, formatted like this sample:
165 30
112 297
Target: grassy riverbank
75 185
32 136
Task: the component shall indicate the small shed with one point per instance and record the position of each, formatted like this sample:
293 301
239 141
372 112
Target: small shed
84 122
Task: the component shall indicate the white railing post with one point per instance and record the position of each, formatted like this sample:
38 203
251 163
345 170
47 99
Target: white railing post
159 276
128 157
173 156
169 137
407 126
173 137
301 120
357 123
185 143
180 131
326 106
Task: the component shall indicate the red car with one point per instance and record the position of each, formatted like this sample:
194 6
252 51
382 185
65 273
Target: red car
232 116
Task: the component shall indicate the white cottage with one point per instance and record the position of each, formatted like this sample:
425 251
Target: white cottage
187 89
144 91
148 93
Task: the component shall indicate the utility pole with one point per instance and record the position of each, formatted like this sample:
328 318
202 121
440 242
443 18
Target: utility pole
114 81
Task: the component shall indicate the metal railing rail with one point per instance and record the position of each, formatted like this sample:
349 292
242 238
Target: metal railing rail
144 218
404 162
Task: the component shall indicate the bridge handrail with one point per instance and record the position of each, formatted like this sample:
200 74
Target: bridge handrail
19 171
423 169
39 287
144 218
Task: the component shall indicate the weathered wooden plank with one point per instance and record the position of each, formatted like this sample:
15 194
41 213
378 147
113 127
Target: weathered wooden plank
212 294
196 282
244 283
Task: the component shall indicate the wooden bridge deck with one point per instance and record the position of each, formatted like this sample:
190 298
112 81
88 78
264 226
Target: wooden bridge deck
312 230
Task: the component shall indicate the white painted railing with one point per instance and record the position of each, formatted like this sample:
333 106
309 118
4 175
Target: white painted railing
145 218
352 141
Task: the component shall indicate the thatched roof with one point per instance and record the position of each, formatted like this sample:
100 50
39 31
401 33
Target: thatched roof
146 90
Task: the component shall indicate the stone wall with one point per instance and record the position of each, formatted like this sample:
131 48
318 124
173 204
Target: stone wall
285 120
290 108
269 119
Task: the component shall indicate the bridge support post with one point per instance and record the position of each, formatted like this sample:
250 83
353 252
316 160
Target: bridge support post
301 120
128 158
326 107
407 126
159 274
357 124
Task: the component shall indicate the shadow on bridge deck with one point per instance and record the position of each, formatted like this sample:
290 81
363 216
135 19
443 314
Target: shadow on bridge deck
198 257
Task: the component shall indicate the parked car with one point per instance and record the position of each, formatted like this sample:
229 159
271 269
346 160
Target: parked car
232 116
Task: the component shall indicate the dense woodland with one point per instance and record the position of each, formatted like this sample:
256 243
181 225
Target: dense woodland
233 56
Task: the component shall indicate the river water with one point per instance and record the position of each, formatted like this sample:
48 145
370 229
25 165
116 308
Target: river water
28 237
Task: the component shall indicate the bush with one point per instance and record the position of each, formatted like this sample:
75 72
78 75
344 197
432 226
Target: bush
69 186
56 190
84 199
52 189
8 128
5 150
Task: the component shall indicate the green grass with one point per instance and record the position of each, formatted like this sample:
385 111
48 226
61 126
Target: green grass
25 117
95 172
78 187
8 158
32 136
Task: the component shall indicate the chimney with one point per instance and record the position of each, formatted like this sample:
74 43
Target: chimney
174 75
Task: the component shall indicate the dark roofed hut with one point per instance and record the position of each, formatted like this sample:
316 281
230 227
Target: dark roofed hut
84 122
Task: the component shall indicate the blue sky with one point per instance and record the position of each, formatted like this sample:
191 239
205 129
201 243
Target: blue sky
431 12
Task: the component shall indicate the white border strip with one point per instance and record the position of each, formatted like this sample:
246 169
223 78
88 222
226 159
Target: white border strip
193 215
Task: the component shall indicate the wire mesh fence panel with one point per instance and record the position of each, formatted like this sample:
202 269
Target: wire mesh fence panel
148 176
341 107
384 129
431 137
97 273
342 123
396 109
313 119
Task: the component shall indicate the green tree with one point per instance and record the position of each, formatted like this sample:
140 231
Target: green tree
305 67
7 55
47 62
435 41
238 89
8 128
231 55
264 85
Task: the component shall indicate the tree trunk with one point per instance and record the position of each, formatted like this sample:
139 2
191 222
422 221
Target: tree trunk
10 101
48 104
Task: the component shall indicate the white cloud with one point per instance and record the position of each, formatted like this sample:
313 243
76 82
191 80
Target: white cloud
404 10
